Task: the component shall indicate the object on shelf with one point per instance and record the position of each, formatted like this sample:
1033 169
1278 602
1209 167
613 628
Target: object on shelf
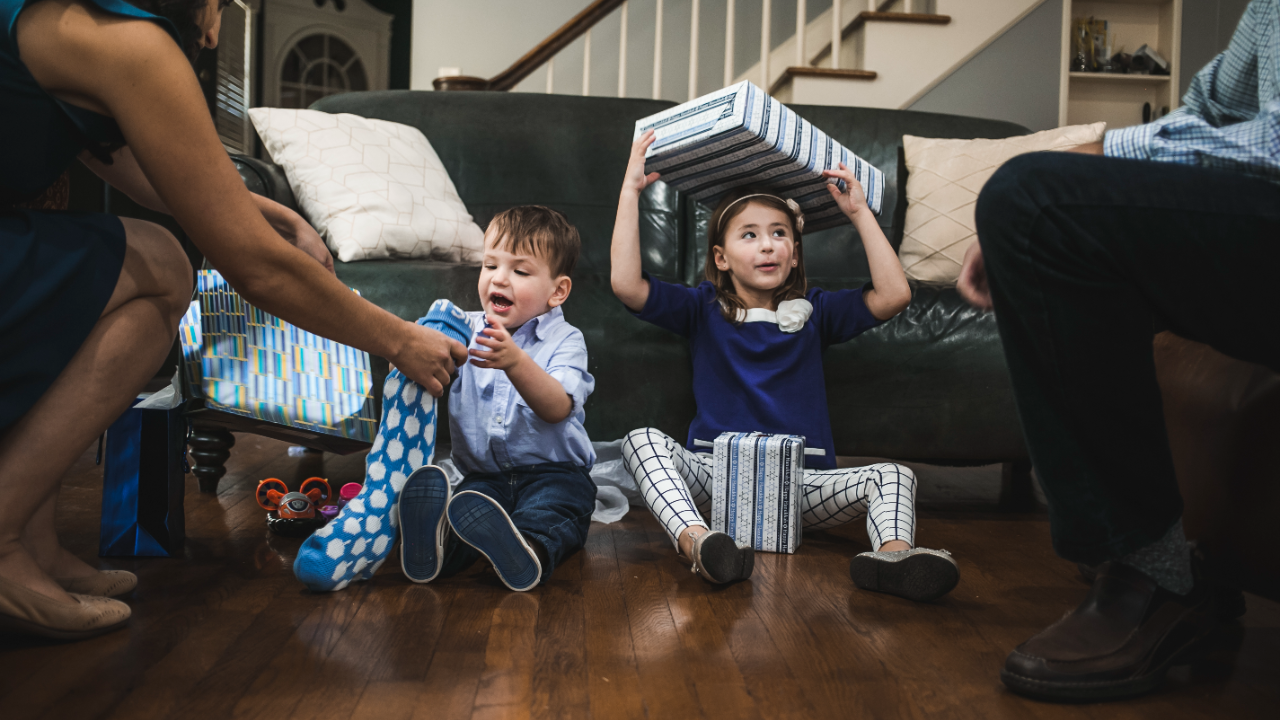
1091 45
1155 62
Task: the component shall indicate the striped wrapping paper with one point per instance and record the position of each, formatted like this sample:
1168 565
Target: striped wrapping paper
740 136
755 489
248 362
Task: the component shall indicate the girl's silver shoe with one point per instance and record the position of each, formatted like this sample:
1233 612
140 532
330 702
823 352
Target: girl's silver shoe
918 574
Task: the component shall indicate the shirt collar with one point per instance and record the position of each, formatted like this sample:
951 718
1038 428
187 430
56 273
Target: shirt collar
542 325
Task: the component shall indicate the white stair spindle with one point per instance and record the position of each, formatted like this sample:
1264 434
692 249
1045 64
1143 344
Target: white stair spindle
729 18
766 25
693 51
657 54
622 54
801 21
586 64
837 27
551 75
906 6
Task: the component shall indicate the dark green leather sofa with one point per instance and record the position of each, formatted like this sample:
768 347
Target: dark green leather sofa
930 385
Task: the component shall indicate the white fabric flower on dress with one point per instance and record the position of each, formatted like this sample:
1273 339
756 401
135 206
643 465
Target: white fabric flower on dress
793 314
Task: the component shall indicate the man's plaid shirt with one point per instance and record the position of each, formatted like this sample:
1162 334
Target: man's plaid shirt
1230 117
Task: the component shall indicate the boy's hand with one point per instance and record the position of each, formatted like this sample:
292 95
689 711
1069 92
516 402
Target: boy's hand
853 200
635 181
502 354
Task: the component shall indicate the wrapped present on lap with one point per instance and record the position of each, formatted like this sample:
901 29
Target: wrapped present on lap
756 485
246 362
741 136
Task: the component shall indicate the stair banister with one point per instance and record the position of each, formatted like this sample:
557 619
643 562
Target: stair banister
657 53
730 19
801 22
586 63
766 25
837 28
622 53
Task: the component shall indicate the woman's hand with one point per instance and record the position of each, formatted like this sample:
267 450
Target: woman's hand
305 238
972 283
635 181
853 200
428 357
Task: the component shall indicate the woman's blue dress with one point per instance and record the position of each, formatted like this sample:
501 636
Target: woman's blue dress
57 269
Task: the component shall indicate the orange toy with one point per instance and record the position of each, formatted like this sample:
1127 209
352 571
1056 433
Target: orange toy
274 495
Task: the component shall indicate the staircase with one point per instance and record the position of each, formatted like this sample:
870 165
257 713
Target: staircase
892 57
866 53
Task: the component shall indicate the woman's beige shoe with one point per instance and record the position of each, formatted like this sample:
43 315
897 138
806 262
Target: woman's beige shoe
30 613
104 583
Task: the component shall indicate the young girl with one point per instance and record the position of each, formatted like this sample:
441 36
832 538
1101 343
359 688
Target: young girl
756 333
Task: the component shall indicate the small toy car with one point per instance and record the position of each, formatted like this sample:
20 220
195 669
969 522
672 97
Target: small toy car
294 514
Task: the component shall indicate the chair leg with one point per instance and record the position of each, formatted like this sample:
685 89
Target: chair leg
210 448
1016 491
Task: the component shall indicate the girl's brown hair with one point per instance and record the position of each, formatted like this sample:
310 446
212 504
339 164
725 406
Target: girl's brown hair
731 306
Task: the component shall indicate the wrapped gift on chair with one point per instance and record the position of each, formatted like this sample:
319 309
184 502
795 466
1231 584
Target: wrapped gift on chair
250 371
756 483
741 136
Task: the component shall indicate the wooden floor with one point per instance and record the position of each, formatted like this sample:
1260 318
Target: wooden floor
621 631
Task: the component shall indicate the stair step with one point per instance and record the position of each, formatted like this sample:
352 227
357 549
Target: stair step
898 17
806 71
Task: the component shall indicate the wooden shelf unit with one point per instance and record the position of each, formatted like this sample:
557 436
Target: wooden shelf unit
1086 97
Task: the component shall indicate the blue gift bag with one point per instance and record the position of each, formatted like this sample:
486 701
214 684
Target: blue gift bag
143 481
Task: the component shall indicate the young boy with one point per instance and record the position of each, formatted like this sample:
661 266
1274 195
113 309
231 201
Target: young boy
515 421
515 418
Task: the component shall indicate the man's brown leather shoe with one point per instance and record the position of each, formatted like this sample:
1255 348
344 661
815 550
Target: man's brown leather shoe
1118 643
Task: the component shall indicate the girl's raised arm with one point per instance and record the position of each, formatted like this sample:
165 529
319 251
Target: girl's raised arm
891 294
624 257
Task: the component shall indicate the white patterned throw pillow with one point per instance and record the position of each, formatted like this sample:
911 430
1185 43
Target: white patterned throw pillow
943 181
372 188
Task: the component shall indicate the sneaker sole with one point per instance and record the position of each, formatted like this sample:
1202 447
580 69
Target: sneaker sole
921 578
482 524
423 501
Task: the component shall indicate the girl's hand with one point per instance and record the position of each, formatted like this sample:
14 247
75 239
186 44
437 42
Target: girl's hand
635 181
503 353
853 200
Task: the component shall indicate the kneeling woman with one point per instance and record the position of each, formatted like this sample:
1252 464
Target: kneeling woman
756 333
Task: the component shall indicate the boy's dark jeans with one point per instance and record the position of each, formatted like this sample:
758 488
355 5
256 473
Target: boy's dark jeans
1085 256
550 504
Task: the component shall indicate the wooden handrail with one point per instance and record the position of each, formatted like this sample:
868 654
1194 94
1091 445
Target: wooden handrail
532 60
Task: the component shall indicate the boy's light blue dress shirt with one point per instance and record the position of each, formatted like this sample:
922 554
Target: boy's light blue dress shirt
1230 117
492 428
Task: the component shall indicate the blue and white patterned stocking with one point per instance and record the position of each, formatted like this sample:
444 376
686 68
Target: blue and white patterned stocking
356 542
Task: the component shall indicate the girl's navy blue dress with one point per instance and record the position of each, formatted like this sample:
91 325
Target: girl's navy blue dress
57 269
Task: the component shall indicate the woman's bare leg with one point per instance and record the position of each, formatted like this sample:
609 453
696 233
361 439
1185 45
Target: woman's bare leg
131 339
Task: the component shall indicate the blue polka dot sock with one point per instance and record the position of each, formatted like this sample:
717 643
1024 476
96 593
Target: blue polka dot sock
354 544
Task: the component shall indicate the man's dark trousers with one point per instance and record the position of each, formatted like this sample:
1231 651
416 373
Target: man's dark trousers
1085 256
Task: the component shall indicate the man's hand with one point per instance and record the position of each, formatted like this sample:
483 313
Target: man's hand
972 284
854 199
1093 148
503 353
429 358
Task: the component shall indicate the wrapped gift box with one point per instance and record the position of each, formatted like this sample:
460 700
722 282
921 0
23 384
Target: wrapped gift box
740 136
755 489
247 362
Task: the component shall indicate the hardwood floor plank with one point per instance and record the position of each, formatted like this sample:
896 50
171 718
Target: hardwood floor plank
621 630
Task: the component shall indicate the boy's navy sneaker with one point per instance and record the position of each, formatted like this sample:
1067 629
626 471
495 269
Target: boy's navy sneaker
481 523
423 529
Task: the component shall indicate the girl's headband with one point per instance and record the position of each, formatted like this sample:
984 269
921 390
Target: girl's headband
792 205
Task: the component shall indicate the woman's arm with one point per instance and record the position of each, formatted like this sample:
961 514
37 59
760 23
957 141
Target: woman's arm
124 175
624 256
135 72
891 294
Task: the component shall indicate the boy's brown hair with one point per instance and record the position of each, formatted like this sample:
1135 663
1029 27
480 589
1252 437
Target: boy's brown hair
539 231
